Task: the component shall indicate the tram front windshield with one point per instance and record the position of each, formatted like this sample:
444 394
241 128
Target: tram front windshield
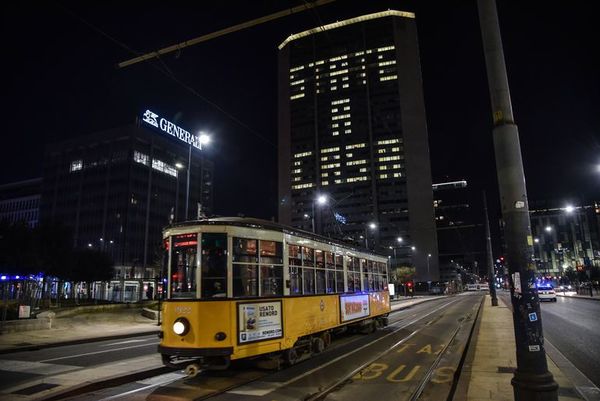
194 274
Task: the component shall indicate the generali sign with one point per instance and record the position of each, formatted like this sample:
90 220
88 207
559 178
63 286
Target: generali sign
168 127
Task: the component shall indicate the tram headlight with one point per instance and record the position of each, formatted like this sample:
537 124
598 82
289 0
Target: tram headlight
181 326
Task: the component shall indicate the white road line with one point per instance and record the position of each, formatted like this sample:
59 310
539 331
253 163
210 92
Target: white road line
154 382
98 352
129 342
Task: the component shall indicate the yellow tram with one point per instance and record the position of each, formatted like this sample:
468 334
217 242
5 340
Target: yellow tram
242 288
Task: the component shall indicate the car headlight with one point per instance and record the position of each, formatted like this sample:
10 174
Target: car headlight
181 326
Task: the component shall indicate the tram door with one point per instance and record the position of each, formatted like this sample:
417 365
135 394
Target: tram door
214 265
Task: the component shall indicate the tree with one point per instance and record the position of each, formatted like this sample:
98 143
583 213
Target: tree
404 274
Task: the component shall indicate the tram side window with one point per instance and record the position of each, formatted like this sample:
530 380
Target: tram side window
353 274
214 265
183 266
271 268
245 268
295 263
320 272
308 271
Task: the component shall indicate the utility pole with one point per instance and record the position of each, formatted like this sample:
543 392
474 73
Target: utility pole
531 380
490 256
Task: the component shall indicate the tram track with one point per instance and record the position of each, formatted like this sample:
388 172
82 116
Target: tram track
252 387
246 383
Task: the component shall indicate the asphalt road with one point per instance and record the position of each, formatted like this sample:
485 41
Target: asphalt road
573 326
24 366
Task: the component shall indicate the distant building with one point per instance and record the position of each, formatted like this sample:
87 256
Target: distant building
352 126
117 189
20 201
565 236
460 231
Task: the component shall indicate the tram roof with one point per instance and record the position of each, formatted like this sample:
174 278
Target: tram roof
250 222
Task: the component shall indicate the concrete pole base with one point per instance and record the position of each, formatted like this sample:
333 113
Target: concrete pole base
494 301
534 387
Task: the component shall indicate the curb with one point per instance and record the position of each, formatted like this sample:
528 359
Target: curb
35 347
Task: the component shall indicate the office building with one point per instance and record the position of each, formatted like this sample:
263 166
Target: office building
352 127
117 189
566 237
20 202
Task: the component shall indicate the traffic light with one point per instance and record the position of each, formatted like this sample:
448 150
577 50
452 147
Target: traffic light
409 284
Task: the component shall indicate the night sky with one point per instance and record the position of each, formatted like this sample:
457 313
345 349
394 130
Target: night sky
60 81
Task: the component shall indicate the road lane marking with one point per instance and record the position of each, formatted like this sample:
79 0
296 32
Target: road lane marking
97 352
129 342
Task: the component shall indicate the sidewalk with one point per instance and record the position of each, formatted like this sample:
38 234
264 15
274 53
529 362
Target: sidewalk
491 360
79 329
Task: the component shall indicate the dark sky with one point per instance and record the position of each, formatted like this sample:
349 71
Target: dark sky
60 81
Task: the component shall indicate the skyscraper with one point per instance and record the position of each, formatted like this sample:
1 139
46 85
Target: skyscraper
352 127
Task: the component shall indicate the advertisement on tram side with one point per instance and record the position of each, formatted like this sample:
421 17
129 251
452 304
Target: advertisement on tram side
258 321
354 307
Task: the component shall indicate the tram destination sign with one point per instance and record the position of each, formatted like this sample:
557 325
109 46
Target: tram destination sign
166 126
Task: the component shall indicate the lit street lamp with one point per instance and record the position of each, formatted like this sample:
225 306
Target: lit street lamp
204 140
321 200
373 227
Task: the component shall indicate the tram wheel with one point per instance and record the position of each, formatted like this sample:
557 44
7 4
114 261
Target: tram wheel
318 345
326 336
290 356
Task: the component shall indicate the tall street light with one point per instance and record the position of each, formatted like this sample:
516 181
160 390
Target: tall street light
179 167
320 200
531 379
373 227
204 140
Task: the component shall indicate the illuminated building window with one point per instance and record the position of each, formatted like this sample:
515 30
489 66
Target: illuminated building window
77 165
335 133
329 150
335 110
324 174
384 63
337 173
345 86
139 157
303 154
347 131
396 166
333 81
302 186
362 170
396 175
349 154
298 96
335 125
356 179
364 82
396 149
347 123
383 176
388 158
300 67
344 78
332 66
340 117
333 88
359 54
381 150
297 179
355 146
297 163
383 49
339 181
325 183
383 167
340 101
297 171
324 158
298 82
320 62
380 56
329 166
346 108
369 51
387 141
339 72
164 167
356 162
388 78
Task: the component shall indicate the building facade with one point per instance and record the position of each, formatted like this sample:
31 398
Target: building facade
352 127
566 237
117 189
20 202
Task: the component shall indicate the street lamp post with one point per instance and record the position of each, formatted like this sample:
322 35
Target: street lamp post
203 139
179 166
372 226
531 379
321 200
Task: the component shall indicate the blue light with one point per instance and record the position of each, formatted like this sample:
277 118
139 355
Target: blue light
17 277
2 277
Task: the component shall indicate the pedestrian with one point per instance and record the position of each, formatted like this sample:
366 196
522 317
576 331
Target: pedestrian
150 292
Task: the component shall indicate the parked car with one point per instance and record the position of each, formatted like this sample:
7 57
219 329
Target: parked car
546 292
